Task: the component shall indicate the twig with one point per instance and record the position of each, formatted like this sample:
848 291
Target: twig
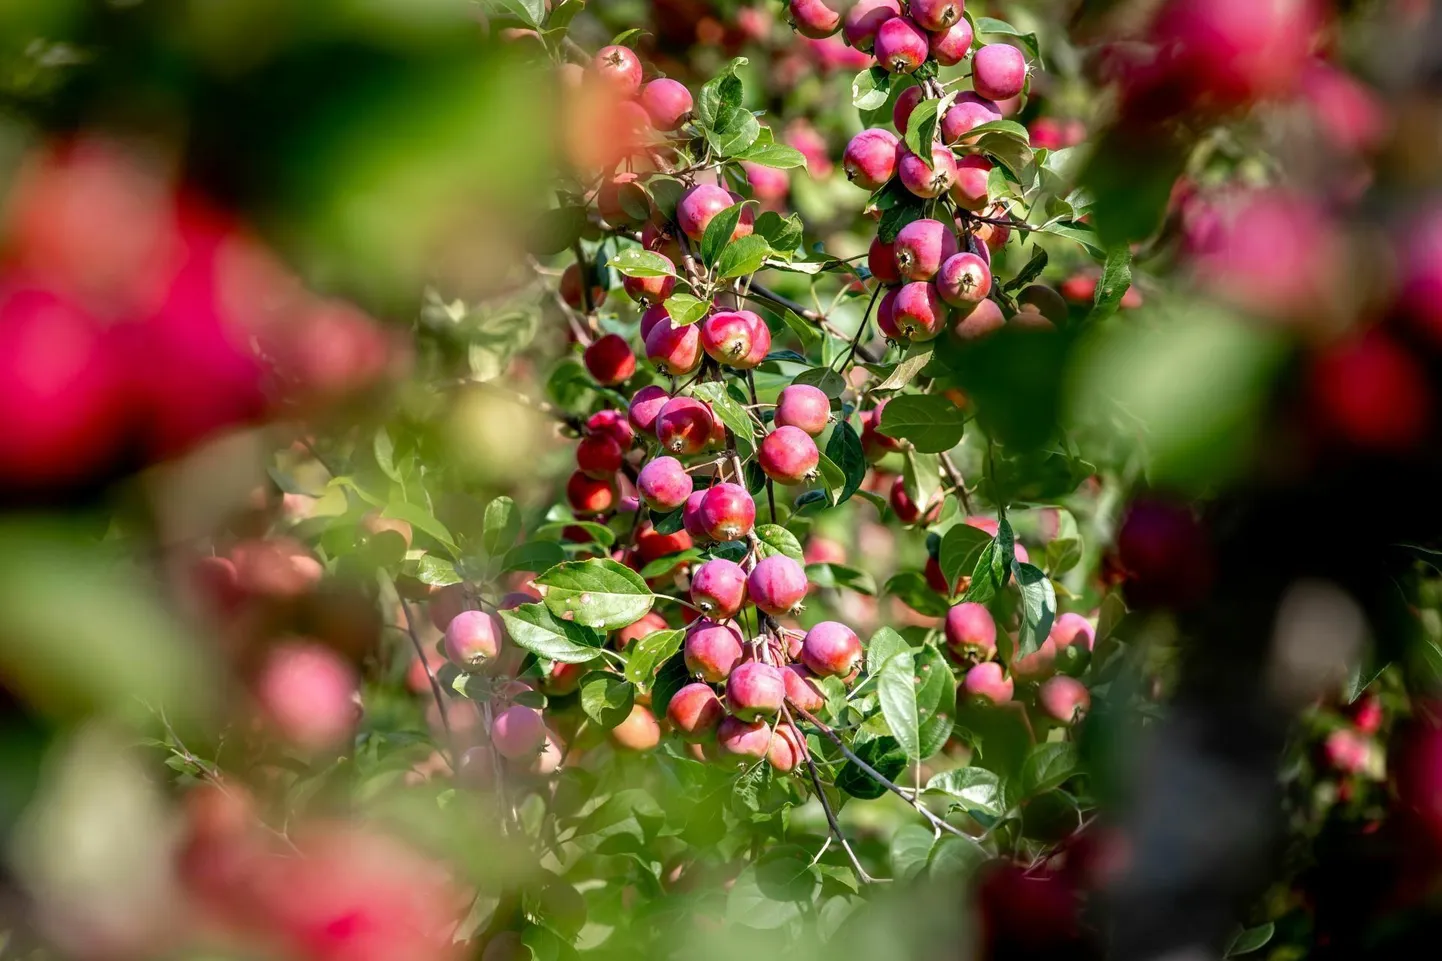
861 329
450 750
770 487
826 805
954 476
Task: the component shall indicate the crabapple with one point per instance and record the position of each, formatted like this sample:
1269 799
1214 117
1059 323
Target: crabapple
905 509
918 312
1372 393
936 14
881 261
905 104
871 157
985 318
987 682
729 336
743 738
801 688
374 525
1038 665
998 71
472 638
968 111
518 731
650 290
900 45
691 516
813 18
477 767
803 406
663 484
700 205
307 693
768 185
727 512
610 360
787 749
949 47
649 623
865 18
1045 301
1166 554
755 690
645 404
620 68
971 189
570 289
921 247
613 424
667 102
712 650
673 350
652 316
969 628
964 280
683 427
1072 629
831 649
777 585
652 545
873 442
788 455
718 588
588 496
1063 698
599 456
639 731
695 711
563 678
1367 714
928 182
886 315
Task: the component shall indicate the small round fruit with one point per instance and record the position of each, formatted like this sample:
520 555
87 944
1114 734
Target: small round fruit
985 318
755 690
813 18
700 205
777 585
921 247
801 688
663 484
949 47
905 104
645 404
901 45
831 649
518 732
718 588
620 68
728 336
925 181
613 424
967 112
472 639
1045 300
570 290
805 407
610 360
906 510
652 316
1038 665
886 315
743 738
1071 628
788 455
972 188
673 350
695 711
727 512
881 261
589 496
639 731
918 312
307 694
970 629
986 682
650 290
964 281
998 71
936 14
691 517
870 158
712 650
667 102
865 18
1063 699
684 426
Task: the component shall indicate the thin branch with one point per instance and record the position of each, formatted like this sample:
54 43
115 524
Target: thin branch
450 748
770 487
955 477
861 328
826 804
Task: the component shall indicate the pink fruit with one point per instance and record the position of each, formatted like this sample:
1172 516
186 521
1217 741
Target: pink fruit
755 690
570 290
924 181
743 738
673 350
639 731
768 185
985 318
1038 665
563 678
865 18
875 443
881 261
1045 301
652 316
901 45
700 205
831 649
307 694
712 650
620 68
921 247
518 732
1072 629
970 629
650 623
1063 699
718 588
813 18
695 711
1372 393
683 426
646 403
804 407
667 102
777 585
787 748
663 484
1346 750
870 158
472 638
691 517
886 315
971 191
727 512
588 495
950 46
610 360
936 14
967 112
998 71
802 689
788 455
918 312
905 104
649 290
986 682
964 281
729 336
613 424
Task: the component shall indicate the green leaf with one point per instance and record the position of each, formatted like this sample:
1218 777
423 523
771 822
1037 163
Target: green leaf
732 415
961 548
1010 152
935 700
673 676
742 257
921 477
1003 128
918 595
385 452
668 563
1252 939
832 479
422 520
435 571
883 645
599 593
532 556
870 88
748 905
721 92
844 450
785 873
1030 272
933 424
824 379
1077 232
921 126
882 754
685 309
776 539
651 650
669 523
910 851
599 533
1116 278
775 155
809 334
902 213
607 698
839 575
1038 601
530 12
972 788
635 262
784 234
734 131
535 628
1047 767
1062 555
902 373
953 857
501 526
719 230
896 690
993 567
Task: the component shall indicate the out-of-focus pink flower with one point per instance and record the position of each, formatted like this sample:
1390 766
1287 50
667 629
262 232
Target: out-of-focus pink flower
1346 111
801 135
